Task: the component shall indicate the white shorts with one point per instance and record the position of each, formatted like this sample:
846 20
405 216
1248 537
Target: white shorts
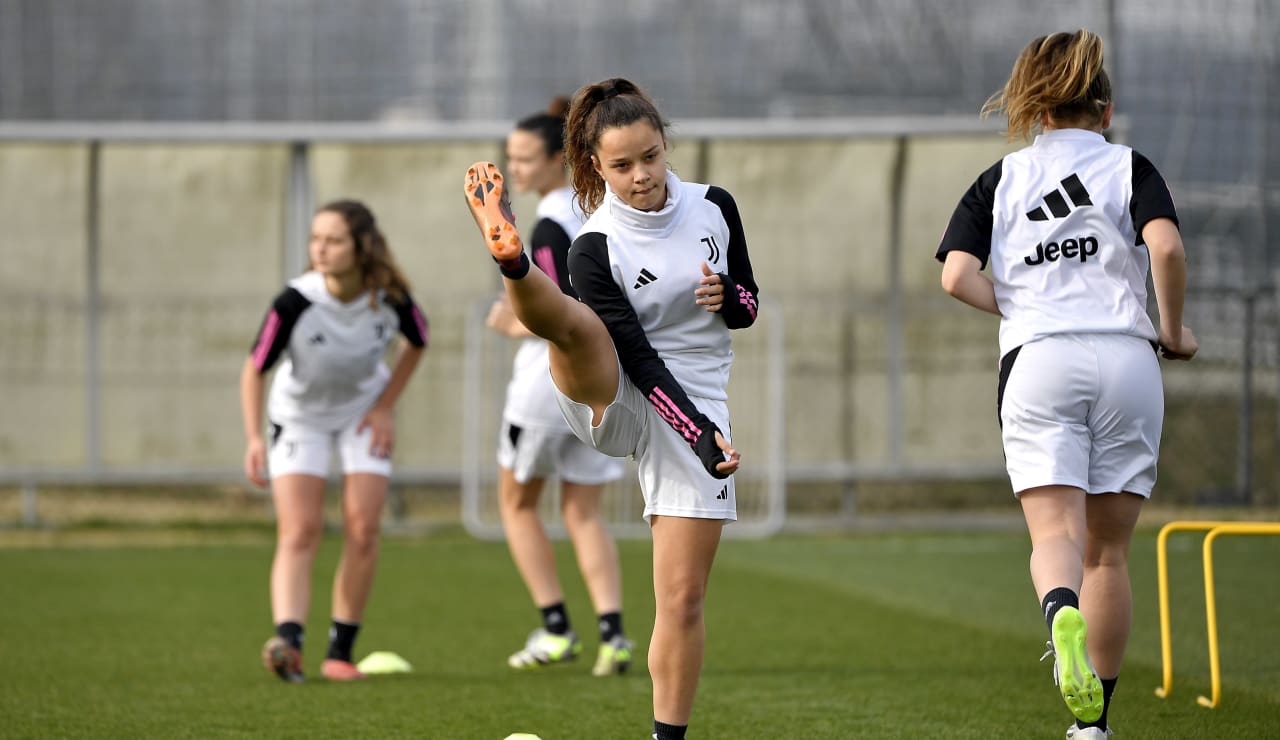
672 478
533 452
1082 410
299 450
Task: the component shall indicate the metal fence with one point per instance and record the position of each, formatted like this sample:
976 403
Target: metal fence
1198 84
876 344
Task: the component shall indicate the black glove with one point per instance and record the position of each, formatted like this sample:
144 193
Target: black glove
709 452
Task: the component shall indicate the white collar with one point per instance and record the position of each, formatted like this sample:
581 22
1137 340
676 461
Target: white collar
660 220
1070 134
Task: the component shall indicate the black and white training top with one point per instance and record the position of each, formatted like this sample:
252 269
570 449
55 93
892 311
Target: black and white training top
638 271
531 399
1061 223
334 370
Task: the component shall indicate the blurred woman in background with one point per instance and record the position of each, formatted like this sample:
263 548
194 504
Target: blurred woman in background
535 441
333 324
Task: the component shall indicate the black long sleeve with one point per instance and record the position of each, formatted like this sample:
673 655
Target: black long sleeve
551 252
741 294
592 279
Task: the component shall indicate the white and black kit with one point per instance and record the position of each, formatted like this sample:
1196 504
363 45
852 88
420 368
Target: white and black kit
638 271
1060 223
332 374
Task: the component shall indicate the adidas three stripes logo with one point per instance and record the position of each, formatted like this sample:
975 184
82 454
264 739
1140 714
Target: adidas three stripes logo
644 278
1057 205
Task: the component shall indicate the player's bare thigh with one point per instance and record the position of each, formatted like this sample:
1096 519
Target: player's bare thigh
585 367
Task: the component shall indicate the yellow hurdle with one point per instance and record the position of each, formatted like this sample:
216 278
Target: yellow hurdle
1211 611
1215 530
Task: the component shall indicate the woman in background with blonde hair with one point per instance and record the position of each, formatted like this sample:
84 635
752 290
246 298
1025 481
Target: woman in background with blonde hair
1071 225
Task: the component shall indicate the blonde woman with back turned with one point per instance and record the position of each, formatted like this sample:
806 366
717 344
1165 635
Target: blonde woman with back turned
1070 227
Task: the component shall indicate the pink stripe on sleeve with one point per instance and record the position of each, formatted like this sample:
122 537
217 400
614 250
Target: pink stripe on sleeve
748 300
421 321
267 338
666 415
542 255
673 415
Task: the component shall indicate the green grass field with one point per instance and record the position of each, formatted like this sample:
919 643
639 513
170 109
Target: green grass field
871 636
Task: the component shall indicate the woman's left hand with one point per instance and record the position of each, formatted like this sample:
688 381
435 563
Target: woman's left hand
711 294
732 459
382 439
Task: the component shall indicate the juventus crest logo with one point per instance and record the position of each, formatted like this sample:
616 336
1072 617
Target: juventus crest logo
713 249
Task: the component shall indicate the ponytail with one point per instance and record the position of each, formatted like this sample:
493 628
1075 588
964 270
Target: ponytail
1060 74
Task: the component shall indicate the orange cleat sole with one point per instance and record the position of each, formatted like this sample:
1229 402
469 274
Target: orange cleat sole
490 205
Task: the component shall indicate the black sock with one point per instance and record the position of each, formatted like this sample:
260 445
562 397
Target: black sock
610 625
1108 688
664 731
291 632
555 619
1055 600
514 269
342 637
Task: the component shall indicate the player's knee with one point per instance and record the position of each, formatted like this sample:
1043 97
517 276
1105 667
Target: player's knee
361 537
683 604
300 537
1106 555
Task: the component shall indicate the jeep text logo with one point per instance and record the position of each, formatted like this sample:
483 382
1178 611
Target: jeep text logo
1083 247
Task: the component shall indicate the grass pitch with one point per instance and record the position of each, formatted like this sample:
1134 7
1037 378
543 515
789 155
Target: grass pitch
872 636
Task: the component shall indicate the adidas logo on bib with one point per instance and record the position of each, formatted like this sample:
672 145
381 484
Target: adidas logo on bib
1057 205
644 279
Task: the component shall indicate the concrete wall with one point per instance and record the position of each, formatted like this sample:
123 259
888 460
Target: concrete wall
42 285
191 255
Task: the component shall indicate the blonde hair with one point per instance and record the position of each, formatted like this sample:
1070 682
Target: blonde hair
1060 74
607 104
378 265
